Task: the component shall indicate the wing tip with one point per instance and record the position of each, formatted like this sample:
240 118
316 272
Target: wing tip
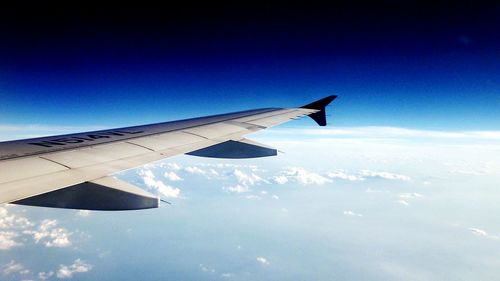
320 116
321 103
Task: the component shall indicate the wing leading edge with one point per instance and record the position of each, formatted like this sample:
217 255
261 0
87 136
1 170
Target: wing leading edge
73 171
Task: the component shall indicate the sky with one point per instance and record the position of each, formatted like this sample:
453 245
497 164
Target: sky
402 184
426 65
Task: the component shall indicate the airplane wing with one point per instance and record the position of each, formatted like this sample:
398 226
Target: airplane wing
75 171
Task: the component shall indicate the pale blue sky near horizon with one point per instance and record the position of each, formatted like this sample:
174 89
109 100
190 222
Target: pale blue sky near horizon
337 204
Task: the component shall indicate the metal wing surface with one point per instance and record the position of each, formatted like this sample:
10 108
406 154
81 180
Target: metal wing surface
75 171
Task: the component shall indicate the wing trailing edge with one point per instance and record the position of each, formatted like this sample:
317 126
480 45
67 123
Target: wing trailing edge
232 149
104 194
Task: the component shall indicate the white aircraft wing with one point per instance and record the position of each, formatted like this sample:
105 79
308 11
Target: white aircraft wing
74 171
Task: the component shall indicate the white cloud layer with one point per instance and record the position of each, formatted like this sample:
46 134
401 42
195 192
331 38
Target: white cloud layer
172 176
352 214
78 266
194 170
483 233
83 213
413 195
174 166
8 220
365 174
247 179
393 132
7 240
301 176
45 275
281 179
343 175
262 260
383 175
149 179
403 202
14 267
50 235
237 188
253 197
206 268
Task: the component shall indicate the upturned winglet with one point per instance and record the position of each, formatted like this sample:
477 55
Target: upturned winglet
320 116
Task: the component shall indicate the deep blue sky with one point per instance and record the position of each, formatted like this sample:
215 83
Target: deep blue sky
414 65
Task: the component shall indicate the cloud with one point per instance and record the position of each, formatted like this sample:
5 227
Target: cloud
253 197
229 165
247 179
483 233
304 177
167 190
7 240
237 188
146 175
227 275
172 176
213 172
218 171
392 133
10 221
340 174
205 268
404 198
210 171
478 231
371 190
78 266
281 179
45 275
50 235
15 228
149 179
194 170
14 267
173 166
83 213
262 260
412 195
365 174
352 214
383 175
403 202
